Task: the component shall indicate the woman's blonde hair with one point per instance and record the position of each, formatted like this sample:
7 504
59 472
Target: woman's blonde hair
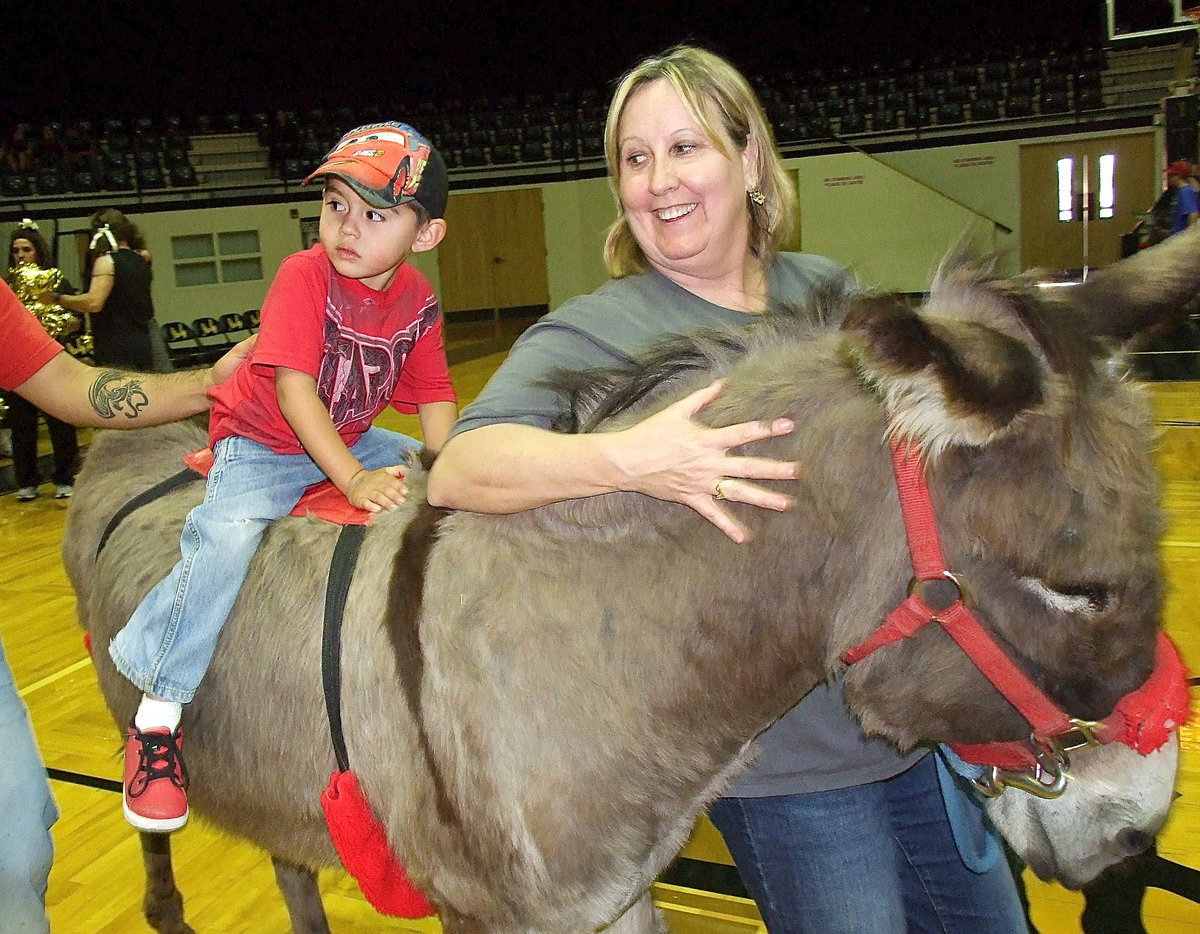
728 111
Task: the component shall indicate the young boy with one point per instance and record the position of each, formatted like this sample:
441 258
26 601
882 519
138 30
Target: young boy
347 328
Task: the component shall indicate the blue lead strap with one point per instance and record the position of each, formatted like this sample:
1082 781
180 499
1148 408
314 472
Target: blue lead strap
976 839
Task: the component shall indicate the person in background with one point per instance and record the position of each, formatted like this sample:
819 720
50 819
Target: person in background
28 258
118 294
1185 205
832 832
34 366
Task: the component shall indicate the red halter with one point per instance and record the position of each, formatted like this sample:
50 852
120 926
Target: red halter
1143 719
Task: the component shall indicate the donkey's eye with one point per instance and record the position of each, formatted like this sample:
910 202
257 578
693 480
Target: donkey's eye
1092 599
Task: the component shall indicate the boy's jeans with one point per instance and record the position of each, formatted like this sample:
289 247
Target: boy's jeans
167 645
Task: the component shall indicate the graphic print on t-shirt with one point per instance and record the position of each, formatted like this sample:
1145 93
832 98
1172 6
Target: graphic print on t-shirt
359 371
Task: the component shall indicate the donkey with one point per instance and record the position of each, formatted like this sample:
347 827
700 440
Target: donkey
539 705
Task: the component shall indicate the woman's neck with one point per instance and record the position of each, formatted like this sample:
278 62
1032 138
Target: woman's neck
743 288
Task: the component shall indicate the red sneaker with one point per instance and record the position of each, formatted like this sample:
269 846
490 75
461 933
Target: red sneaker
156 780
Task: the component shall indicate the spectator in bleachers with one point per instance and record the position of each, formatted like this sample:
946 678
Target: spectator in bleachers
18 157
283 141
82 153
49 153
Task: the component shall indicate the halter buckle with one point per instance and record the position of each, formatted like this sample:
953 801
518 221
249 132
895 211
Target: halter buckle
1046 779
1082 735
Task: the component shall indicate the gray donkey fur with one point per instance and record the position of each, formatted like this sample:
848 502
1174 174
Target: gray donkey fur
584 677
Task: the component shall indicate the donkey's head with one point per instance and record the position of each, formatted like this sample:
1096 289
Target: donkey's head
1038 458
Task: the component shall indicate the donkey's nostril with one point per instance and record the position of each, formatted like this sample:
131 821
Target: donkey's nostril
1133 841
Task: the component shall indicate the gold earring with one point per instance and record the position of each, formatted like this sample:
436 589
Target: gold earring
757 196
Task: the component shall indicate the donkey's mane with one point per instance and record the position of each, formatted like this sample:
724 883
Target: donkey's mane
597 394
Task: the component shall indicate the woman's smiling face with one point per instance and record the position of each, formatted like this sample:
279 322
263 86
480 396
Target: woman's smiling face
684 198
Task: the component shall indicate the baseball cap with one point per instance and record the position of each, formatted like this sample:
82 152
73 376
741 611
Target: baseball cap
1180 167
389 164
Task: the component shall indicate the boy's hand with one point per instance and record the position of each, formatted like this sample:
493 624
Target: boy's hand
374 490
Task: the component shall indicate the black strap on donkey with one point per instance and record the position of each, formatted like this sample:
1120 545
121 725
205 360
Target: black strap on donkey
341 572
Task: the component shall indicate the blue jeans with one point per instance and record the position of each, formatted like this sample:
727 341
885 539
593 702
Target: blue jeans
27 812
167 645
878 858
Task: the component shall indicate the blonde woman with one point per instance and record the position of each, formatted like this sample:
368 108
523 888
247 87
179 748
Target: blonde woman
832 832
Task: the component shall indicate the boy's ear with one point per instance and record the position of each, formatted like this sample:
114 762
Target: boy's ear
429 235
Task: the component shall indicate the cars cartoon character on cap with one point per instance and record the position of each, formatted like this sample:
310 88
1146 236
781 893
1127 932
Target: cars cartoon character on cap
386 164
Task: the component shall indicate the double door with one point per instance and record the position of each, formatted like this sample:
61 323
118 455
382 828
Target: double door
1078 198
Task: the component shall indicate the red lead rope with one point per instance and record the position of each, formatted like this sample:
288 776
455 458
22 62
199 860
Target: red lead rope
1143 719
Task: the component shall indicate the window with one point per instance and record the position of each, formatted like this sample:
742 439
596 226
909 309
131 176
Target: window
214 259
1066 200
1094 196
1107 188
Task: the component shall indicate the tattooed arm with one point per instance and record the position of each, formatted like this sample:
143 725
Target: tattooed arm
104 398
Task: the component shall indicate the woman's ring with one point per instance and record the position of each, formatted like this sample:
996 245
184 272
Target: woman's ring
717 493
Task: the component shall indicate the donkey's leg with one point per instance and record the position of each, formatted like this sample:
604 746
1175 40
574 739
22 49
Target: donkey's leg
303 898
163 904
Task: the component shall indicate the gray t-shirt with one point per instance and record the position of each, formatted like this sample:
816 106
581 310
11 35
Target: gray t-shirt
817 745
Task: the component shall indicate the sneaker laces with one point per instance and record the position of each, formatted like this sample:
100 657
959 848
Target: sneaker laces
159 757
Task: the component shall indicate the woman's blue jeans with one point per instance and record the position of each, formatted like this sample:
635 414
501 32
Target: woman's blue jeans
168 643
878 858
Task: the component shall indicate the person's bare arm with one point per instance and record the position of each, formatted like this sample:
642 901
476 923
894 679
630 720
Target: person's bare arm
437 418
306 414
504 468
107 398
91 301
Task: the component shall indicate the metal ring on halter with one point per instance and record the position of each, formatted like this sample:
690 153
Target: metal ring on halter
717 493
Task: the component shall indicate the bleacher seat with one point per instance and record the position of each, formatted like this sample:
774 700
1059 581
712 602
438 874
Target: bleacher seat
533 151
985 110
1054 102
1018 105
471 157
182 176
1089 99
181 345
50 181
234 326
18 185
949 112
150 176
853 123
252 318
884 120
211 338
83 181
504 154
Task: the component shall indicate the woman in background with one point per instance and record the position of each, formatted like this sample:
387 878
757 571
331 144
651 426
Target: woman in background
28 256
118 294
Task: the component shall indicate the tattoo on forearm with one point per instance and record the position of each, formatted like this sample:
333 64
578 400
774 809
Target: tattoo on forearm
116 393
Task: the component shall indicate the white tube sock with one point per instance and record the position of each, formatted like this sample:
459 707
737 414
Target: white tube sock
153 712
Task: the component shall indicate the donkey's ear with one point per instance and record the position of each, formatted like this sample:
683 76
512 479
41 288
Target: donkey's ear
1148 290
944 381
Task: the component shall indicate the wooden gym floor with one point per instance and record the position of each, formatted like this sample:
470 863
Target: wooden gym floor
228 886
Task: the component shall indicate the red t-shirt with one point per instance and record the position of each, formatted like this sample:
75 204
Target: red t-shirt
366 350
26 345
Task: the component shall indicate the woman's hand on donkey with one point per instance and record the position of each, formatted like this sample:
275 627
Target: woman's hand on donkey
671 456
374 490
